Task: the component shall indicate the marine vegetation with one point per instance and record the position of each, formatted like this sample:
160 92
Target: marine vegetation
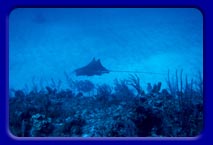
127 108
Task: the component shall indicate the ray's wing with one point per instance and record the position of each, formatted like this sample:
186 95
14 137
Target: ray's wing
93 68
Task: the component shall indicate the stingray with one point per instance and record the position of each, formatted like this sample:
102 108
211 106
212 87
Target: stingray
96 68
93 68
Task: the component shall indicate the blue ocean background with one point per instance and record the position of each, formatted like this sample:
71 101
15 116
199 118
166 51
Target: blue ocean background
46 43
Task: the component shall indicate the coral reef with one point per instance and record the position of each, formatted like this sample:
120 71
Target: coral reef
122 109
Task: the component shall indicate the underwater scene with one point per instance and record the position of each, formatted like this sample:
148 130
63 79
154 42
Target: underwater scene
105 72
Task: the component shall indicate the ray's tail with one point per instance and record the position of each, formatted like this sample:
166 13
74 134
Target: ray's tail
143 72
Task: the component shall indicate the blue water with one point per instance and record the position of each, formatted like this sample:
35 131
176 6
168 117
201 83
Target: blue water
45 43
